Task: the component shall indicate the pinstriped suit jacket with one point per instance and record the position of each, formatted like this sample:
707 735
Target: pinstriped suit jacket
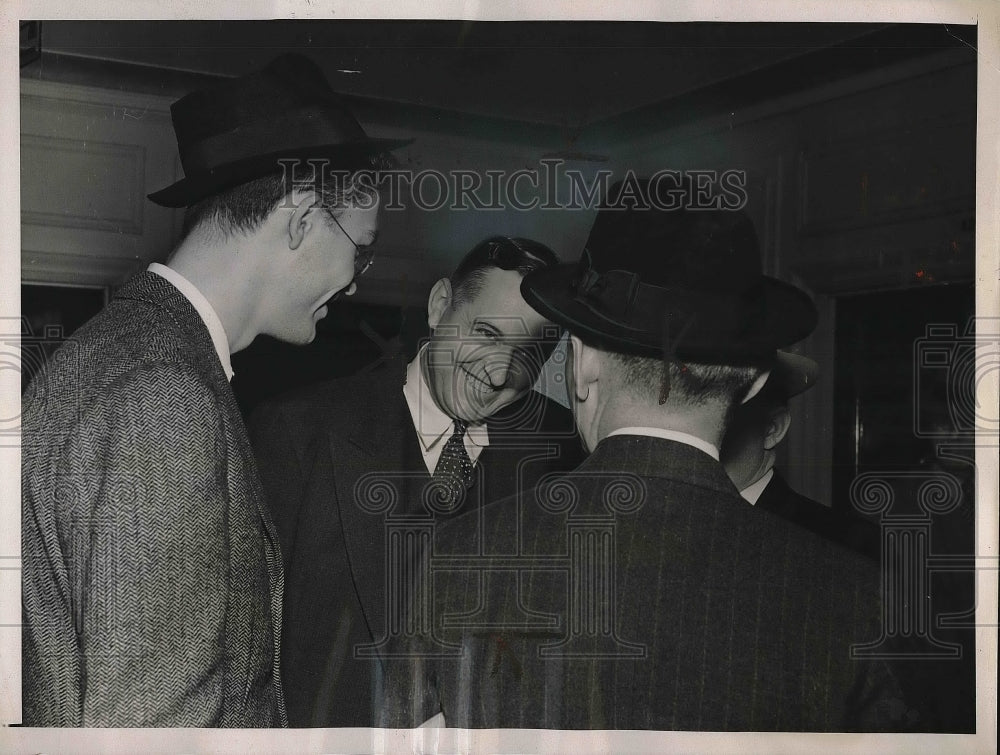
703 612
152 577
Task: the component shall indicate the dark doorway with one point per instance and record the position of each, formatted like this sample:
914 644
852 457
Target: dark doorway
905 417
904 379
50 315
351 337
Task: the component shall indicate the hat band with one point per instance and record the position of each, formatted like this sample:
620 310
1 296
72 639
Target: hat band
620 298
295 130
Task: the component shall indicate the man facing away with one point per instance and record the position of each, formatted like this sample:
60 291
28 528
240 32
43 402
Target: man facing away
152 577
639 591
345 461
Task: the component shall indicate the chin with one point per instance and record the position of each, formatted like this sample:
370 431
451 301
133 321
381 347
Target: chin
302 338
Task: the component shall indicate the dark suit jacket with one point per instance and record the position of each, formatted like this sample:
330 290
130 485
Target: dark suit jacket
151 576
338 461
645 594
851 531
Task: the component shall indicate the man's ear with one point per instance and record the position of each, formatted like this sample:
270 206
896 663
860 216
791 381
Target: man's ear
586 368
778 421
302 217
438 301
757 386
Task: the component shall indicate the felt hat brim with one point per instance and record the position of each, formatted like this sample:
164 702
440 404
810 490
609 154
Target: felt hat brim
193 188
783 315
793 374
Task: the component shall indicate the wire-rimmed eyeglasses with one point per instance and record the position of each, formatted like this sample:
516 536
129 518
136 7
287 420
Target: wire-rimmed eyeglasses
364 256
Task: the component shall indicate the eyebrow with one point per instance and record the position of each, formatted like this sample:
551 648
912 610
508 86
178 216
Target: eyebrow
502 334
479 322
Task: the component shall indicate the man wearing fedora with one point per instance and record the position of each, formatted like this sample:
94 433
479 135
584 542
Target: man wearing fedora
749 452
640 591
152 578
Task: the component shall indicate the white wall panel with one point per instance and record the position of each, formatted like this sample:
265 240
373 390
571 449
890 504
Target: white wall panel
88 158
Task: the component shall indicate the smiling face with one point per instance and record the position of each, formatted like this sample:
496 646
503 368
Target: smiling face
323 267
485 353
351 235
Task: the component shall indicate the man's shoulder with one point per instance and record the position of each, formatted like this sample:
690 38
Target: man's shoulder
857 534
333 401
124 344
808 557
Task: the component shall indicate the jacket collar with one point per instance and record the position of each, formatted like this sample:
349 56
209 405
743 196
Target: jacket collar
155 290
648 456
205 311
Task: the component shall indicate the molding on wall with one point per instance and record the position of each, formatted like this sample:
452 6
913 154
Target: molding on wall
865 153
103 156
99 81
88 158
91 270
85 99
719 123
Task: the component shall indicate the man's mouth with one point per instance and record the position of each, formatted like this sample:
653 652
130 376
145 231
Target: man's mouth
482 388
346 291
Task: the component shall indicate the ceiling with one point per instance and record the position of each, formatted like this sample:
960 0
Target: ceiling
565 74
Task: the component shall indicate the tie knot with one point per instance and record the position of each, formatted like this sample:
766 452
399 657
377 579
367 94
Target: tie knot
460 427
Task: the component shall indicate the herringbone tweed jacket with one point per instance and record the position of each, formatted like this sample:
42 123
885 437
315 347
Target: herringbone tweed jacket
152 577
640 592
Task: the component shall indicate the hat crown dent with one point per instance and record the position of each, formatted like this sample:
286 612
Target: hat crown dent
674 282
289 82
251 126
687 249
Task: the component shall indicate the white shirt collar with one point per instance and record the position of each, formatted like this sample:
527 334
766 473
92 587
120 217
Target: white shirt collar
753 492
430 422
659 432
204 310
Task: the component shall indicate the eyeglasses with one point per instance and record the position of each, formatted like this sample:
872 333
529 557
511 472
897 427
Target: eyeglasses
364 256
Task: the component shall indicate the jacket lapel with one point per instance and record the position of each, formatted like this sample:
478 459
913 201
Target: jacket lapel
375 451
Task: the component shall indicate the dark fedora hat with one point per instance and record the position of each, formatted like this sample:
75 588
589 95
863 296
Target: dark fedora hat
661 278
238 130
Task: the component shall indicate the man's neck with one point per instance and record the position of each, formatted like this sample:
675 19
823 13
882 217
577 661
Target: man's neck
698 425
212 272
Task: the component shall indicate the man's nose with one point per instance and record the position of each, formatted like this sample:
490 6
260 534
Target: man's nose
498 369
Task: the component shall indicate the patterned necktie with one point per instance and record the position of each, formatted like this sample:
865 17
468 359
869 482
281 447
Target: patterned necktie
454 468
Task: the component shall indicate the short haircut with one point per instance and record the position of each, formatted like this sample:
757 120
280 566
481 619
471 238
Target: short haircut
500 252
244 207
690 383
